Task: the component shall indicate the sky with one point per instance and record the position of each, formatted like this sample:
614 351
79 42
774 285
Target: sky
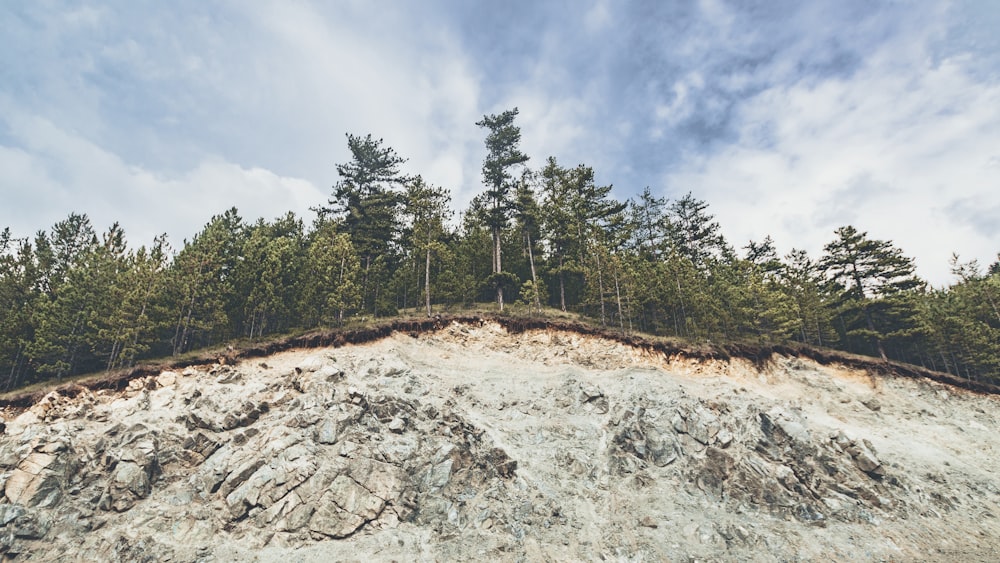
789 118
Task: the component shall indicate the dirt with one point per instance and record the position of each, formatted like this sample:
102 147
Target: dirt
479 440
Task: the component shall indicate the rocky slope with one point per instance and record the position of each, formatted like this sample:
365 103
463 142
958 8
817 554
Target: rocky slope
470 443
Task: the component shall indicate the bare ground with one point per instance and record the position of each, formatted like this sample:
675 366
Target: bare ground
474 440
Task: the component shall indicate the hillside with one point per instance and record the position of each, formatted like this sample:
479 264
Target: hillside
464 440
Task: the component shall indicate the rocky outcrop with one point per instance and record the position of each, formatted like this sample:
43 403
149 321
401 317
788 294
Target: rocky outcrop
476 445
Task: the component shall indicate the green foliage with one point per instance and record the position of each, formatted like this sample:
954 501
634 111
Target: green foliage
502 155
72 300
874 285
331 289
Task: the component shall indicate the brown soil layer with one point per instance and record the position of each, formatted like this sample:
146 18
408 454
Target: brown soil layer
759 354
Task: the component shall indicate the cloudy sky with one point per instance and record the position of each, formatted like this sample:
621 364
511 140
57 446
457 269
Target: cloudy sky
789 118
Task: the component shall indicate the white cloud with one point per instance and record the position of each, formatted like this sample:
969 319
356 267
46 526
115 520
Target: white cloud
61 172
174 99
901 150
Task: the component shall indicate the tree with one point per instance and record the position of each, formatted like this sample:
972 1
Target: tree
872 280
693 232
367 201
331 272
202 282
557 220
63 312
528 216
502 155
648 221
802 281
426 207
19 277
268 275
132 329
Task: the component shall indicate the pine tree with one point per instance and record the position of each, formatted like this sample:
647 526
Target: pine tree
19 278
426 208
330 285
502 155
557 220
873 281
268 274
366 202
203 297
67 306
528 216
801 280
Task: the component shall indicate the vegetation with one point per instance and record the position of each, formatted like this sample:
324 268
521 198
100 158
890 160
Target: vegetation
73 300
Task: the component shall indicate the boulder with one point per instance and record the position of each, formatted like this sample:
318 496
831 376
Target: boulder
345 508
131 475
39 478
703 425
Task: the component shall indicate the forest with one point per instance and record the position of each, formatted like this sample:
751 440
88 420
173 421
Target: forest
74 299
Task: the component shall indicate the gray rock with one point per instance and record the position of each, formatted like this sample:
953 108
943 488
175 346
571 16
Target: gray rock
397 425
438 475
38 479
703 425
872 404
724 438
865 458
345 508
326 432
679 424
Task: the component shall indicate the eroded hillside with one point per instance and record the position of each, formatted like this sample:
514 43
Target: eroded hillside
473 443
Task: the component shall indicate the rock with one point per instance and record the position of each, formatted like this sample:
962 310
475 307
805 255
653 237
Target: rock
166 379
38 480
724 438
661 448
679 424
397 425
872 404
10 513
438 475
201 444
248 494
30 526
648 522
590 392
593 398
239 475
841 440
703 425
326 432
310 365
865 458
132 477
791 426
345 508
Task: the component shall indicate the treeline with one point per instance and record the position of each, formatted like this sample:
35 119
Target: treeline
73 300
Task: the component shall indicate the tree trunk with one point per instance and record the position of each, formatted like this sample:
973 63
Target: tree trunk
875 339
680 298
618 297
364 284
562 285
427 279
600 285
534 277
340 313
497 265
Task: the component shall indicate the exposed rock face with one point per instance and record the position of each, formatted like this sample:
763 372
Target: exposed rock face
471 444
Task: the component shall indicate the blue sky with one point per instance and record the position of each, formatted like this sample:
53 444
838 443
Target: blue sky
789 118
